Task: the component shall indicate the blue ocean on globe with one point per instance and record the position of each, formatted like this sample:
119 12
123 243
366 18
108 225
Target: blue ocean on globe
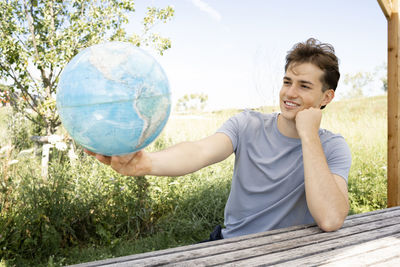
113 98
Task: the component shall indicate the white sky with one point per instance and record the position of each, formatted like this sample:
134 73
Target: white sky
233 50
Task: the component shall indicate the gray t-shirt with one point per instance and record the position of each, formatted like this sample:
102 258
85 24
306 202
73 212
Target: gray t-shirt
268 179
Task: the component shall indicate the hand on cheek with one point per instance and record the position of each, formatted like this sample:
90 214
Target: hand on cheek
308 121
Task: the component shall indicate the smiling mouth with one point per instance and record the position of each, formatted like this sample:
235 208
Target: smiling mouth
291 104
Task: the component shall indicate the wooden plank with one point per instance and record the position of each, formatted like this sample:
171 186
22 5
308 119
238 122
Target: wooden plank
386 7
387 211
243 242
393 108
376 249
392 262
370 217
370 258
269 245
315 248
183 249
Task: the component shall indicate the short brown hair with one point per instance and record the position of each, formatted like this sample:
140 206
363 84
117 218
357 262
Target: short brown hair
320 54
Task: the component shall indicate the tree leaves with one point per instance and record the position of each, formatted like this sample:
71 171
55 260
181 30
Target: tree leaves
38 38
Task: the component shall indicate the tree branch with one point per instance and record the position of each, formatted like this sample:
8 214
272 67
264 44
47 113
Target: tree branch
52 35
52 27
11 73
29 18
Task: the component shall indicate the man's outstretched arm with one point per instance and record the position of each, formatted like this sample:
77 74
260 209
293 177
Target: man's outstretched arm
176 160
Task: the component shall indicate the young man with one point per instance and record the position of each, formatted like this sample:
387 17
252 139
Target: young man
287 171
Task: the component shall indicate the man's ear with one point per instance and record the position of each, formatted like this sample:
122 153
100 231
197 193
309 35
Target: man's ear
327 97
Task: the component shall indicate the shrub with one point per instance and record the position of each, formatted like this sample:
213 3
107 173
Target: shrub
20 130
74 206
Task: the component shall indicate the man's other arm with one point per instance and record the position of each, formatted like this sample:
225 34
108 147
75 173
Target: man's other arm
326 193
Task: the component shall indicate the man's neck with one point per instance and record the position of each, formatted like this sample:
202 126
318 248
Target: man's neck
287 127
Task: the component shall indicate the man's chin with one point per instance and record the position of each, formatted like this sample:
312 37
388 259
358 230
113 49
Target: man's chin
290 116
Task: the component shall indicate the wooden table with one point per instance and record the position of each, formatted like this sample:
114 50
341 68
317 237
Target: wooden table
366 239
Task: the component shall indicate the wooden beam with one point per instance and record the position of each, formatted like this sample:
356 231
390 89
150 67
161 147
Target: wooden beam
386 7
393 171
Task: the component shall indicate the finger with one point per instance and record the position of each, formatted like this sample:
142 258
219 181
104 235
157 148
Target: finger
125 164
121 159
121 163
125 159
103 159
89 152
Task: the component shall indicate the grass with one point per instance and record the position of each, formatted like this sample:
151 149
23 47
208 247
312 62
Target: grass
363 123
4 111
89 212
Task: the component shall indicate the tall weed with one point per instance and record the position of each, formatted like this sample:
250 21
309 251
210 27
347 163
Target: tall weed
363 123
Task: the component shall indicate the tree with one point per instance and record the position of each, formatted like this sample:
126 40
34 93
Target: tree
358 82
384 83
38 38
4 97
192 102
381 72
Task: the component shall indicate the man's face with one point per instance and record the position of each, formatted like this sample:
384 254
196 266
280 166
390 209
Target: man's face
302 89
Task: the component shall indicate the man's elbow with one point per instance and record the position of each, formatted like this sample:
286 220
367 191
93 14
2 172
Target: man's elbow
330 225
333 221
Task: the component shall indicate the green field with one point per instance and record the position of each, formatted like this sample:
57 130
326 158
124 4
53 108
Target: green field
88 212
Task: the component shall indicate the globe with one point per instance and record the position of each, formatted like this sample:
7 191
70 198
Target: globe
113 98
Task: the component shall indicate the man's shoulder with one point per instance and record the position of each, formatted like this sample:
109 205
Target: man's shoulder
332 141
249 122
256 115
326 136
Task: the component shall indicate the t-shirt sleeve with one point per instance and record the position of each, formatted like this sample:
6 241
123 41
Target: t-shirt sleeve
232 127
338 156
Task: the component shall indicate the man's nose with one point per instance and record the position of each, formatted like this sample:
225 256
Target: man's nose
292 91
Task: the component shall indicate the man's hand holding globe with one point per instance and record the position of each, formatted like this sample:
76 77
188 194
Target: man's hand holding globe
135 164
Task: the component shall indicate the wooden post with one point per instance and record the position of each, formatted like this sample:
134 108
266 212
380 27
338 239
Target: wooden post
393 172
386 7
43 140
45 161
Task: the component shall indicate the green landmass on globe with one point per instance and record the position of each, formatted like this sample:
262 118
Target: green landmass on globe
113 98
